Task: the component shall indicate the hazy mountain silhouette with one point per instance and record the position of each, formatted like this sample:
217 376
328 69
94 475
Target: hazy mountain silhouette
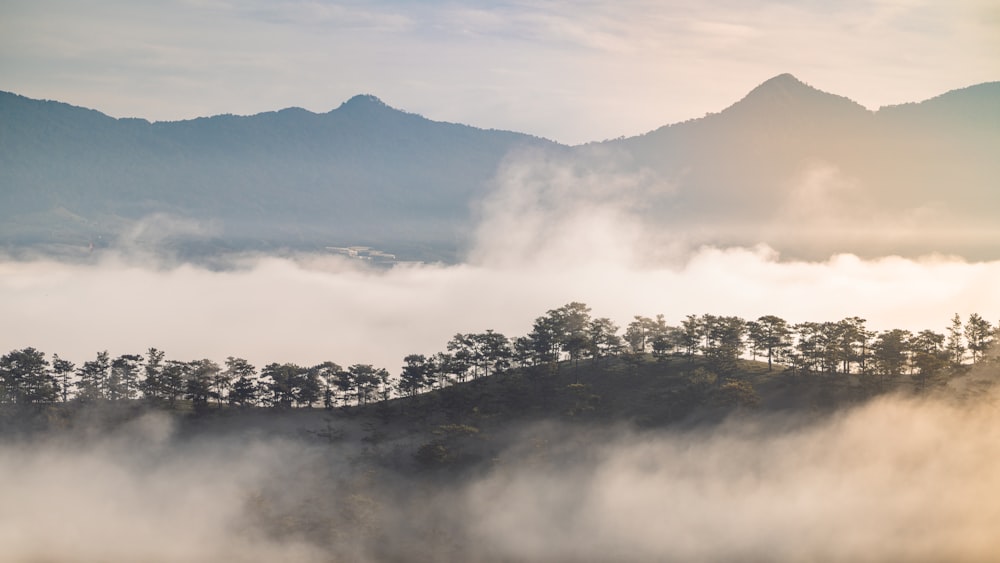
362 173
813 173
803 170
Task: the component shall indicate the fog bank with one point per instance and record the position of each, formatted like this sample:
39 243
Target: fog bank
894 479
318 308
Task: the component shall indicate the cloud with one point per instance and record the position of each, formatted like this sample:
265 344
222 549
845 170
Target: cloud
895 479
136 494
554 230
323 308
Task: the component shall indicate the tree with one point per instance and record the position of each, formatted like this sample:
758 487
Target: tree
173 381
62 371
25 377
955 347
891 352
310 388
284 385
772 335
123 384
369 381
327 372
92 378
346 384
831 346
978 336
545 340
663 338
243 376
523 351
198 384
930 357
244 392
808 346
854 347
461 349
692 331
724 343
414 376
638 334
572 321
152 386
603 338
491 350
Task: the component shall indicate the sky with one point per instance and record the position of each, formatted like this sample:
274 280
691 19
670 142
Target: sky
573 72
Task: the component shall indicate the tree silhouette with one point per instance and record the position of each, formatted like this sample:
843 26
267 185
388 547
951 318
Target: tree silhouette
25 377
62 371
978 336
92 378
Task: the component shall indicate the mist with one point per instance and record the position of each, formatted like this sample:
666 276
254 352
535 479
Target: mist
314 308
551 231
897 478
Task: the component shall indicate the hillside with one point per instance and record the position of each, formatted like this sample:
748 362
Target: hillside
470 423
498 468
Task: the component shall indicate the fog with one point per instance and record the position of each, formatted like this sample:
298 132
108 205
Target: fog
313 308
895 479
550 232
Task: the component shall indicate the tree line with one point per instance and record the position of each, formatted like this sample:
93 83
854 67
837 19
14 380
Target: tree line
568 333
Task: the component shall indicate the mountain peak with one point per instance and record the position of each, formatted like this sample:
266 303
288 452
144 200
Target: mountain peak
785 92
363 101
784 86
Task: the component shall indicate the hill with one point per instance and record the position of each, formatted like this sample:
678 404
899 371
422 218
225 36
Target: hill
467 424
539 465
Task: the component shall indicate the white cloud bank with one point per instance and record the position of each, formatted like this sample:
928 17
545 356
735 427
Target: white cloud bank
551 232
322 308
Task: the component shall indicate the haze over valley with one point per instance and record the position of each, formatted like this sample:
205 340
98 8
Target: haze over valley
791 201
435 281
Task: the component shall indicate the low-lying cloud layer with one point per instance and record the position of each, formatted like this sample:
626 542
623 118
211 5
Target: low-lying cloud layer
553 230
894 479
318 308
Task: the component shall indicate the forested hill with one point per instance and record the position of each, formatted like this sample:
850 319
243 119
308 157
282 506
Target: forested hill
808 172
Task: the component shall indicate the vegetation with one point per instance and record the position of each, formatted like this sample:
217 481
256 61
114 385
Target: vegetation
717 348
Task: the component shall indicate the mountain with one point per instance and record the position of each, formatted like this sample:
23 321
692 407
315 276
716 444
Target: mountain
807 172
364 173
812 173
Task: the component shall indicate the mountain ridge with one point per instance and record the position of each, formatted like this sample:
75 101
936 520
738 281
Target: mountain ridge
367 173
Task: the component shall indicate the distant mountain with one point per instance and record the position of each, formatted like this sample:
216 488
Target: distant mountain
812 173
805 171
364 173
